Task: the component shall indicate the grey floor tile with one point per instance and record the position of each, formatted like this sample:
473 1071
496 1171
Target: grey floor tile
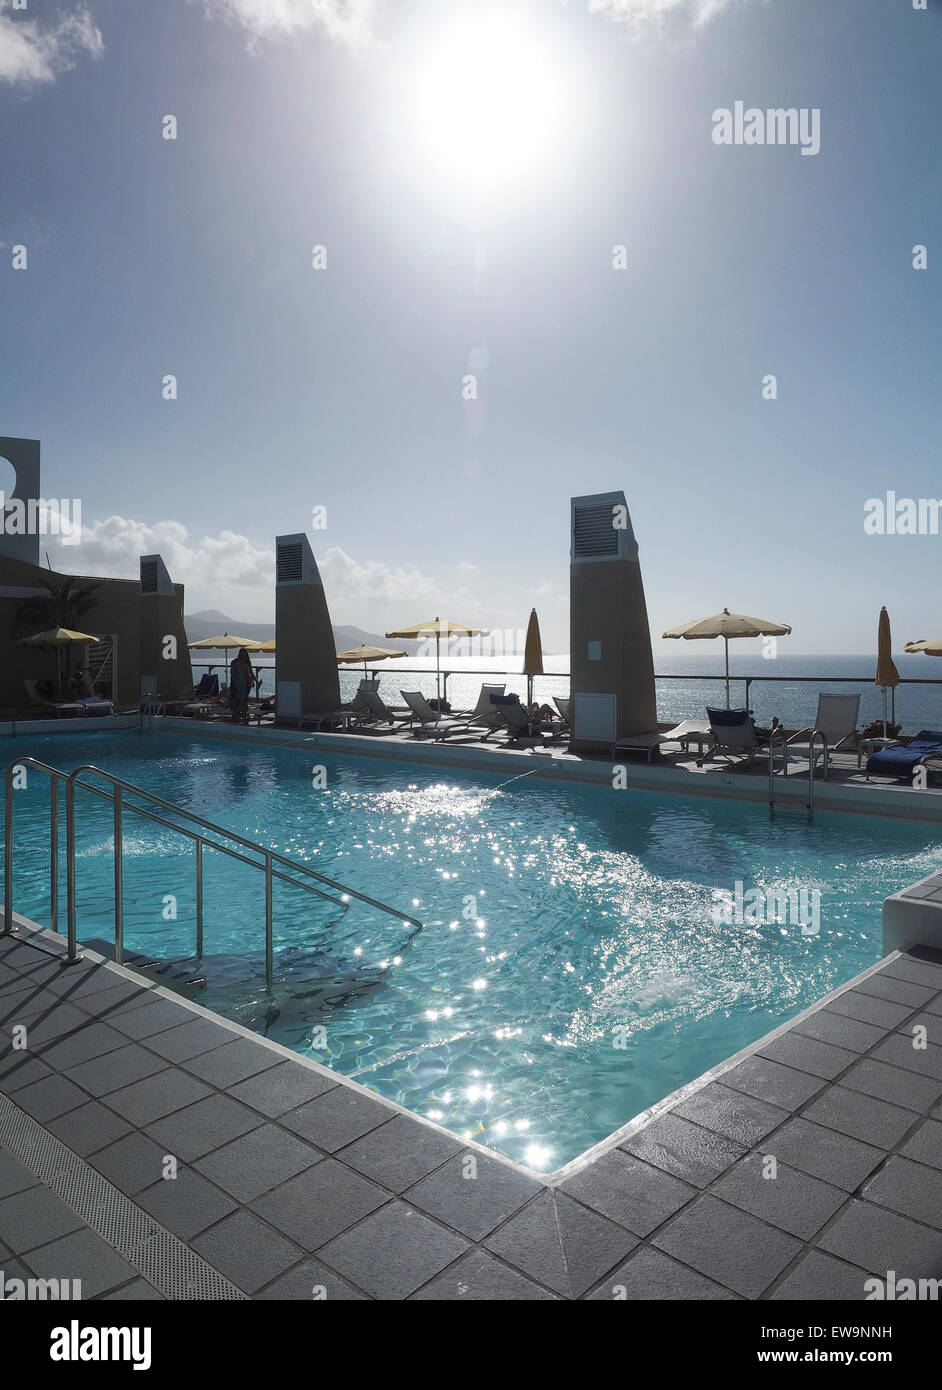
792 1200
879 1240
649 1276
35 1217
246 1251
94 1040
932 1023
85 1256
233 1062
50 1020
912 1189
824 1153
899 1051
209 1124
320 1203
893 1084
14 1176
88 1128
925 1146
49 1098
131 1163
899 991
157 1096
312 1282
728 1245
256 1162
190 1039
400 1152
335 1119
394 1252
561 1244
156 1017
869 1008
186 1204
19 1069
629 1192
861 1116
736 1116
282 1088
819 1278
850 1033
772 1082
478 1277
808 1054
109 1073
919 972
137 1291
684 1149
473 1198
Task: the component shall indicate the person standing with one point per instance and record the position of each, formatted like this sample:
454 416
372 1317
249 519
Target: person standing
241 677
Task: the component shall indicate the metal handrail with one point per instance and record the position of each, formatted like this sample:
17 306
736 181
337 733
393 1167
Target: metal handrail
777 730
817 734
269 857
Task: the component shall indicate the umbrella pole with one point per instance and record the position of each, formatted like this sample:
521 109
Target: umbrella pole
438 669
726 641
884 711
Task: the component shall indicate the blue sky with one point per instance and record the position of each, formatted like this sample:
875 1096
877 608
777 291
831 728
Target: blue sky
302 124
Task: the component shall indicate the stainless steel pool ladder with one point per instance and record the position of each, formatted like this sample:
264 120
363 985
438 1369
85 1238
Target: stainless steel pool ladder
269 857
817 734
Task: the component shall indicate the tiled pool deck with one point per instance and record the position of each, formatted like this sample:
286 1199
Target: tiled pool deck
291 1179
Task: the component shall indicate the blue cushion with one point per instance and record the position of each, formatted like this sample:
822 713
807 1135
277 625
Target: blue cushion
505 699
727 718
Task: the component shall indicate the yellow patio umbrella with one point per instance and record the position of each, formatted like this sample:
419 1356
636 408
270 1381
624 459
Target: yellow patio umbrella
365 654
267 648
59 637
727 625
532 654
438 628
224 643
887 674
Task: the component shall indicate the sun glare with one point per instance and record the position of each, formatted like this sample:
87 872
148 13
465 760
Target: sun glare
488 103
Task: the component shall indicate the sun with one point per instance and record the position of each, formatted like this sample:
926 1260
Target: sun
488 103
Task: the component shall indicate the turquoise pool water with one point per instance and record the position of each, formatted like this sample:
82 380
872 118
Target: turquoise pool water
573 967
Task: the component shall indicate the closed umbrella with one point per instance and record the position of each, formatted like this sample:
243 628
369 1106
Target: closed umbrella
727 625
532 654
59 637
438 628
887 675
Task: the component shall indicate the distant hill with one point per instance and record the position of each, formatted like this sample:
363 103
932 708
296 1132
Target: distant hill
210 622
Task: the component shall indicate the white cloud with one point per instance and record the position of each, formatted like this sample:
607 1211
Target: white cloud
466 567
31 52
639 15
350 22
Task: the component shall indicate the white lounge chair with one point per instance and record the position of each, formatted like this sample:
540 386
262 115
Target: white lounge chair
483 717
74 708
732 733
650 742
837 719
423 712
357 711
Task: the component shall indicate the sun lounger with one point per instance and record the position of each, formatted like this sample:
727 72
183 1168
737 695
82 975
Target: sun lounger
357 711
650 742
733 733
75 708
837 719
381 711
517 720
900 761
483 716
423 712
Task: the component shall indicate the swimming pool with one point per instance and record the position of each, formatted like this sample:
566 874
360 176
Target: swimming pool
574 967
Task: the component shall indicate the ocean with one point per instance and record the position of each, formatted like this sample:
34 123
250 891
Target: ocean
787 687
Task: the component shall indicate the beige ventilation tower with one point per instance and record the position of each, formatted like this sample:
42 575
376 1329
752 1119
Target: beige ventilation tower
305 655
609 640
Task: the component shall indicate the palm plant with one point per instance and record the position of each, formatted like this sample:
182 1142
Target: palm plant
64 604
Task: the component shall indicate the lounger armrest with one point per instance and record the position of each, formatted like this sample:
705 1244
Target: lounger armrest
800 736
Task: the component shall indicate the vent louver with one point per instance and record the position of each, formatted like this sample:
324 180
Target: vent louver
289 564
149 576
594 532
